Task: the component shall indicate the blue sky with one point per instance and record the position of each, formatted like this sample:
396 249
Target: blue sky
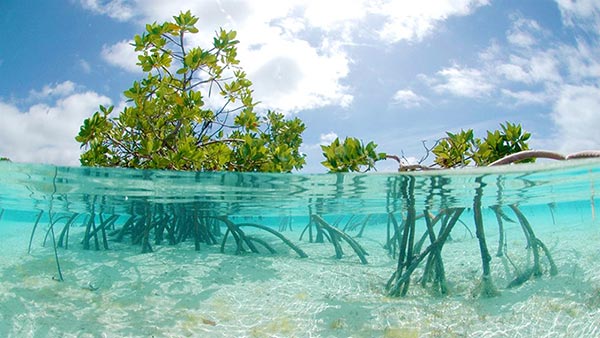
394 72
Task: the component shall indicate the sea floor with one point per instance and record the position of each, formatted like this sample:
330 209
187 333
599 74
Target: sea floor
178 292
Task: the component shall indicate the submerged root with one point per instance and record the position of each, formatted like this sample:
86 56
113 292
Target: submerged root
242 239
486 288
336 235
287 242
521 278
397 284
535 245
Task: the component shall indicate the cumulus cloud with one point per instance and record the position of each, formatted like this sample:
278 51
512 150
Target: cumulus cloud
327 138
121 55
44 133
523 72
116 9
289 74
523 32
577 118
413 20
581 13
461 81
290 71
522 97
544 66
334 14
407 98
57 90
514 72
521 38
296 76
582 60
534 67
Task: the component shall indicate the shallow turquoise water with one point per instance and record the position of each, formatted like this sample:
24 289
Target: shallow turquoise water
73 189
333 294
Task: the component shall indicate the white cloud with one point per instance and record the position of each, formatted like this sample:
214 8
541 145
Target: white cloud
57 90
408 98
535 68
292 76
290 71
577 118
122 55
491 53
581 13
332 14
583 60
466 82
85 66
523 97
514 72
289 74
523 32
544 66
522 39
531 68
45 133
524 71
327 138
116 9
413 20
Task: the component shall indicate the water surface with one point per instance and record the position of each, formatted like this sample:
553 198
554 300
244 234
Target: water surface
185 284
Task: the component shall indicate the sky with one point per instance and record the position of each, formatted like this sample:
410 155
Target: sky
399 73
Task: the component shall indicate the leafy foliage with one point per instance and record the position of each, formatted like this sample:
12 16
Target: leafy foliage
5 159
461 149
455 150
168 124
352 155
500 143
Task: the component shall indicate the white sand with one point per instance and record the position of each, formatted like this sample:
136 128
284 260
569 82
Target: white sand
176 291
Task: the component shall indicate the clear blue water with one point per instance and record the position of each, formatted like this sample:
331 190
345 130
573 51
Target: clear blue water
72 189
199 289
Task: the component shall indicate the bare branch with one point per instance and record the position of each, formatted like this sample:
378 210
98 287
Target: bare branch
583 154
527 154
428 150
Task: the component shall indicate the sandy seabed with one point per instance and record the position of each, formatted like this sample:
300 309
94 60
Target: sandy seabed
178 292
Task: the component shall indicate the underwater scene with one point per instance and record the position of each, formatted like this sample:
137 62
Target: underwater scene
508 251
